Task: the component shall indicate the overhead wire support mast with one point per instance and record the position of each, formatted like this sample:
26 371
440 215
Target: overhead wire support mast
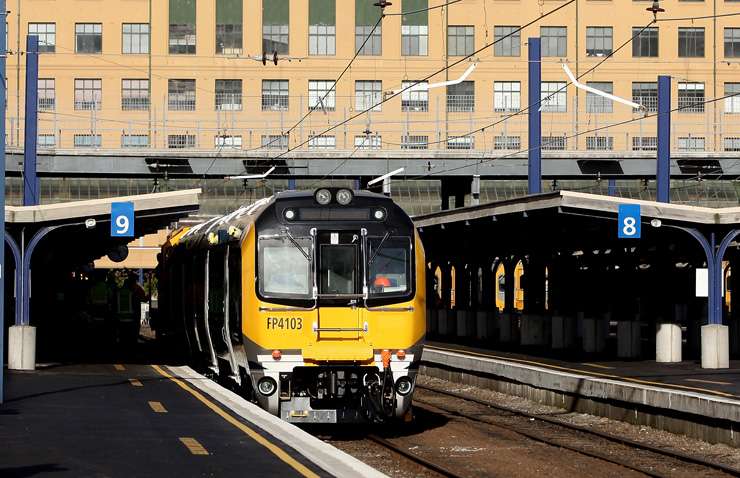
441 70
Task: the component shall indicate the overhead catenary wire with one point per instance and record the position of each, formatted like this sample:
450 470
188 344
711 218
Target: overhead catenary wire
538 103
416 82
576 135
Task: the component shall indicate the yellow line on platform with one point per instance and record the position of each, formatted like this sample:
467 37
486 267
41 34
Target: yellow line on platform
119 367
157 407
277 451
135 382
575 370
194 446
713 382
597 366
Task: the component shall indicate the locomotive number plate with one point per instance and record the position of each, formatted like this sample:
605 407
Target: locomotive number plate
285 323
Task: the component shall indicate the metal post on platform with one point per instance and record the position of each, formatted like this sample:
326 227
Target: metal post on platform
612 187
534 175
3 93
664 139
30 179
475 190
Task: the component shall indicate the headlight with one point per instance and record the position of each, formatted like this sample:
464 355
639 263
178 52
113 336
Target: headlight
404 386
289 214
344 196
379 214
323 196
267 386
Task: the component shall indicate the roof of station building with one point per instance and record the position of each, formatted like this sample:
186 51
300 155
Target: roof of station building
172 202
585 203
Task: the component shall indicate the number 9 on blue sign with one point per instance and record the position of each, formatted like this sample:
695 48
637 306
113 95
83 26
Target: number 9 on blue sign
122 219
629 221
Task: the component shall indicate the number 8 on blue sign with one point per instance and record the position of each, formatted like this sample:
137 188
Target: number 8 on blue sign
629 221
122 219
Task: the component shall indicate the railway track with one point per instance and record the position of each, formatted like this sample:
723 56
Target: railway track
431 466
641 447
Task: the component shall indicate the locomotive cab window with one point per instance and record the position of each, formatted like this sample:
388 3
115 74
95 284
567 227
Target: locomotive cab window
284 267
389 266
339 263
338 266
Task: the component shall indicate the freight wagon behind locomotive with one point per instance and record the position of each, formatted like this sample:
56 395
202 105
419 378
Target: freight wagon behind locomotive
313 303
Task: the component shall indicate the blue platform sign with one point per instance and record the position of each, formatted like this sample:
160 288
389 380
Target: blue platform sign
122 219
629 221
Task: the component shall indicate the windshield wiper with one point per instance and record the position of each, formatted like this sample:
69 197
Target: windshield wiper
380 246
295 243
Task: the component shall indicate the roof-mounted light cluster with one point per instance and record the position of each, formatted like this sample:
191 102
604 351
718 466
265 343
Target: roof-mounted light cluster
324 196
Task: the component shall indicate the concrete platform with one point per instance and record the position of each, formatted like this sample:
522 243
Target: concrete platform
681 397
140 420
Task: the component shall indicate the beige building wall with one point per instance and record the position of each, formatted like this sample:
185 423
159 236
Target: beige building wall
713 70
142 253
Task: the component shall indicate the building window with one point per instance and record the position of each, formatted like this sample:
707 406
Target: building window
646 94
134 95
416 97
690 42
228 95
554 41
644 143
507 96
732 104
182 27
553 96
414 28
88 37
88 94
87 141
47 94
461 97
372 141
47 140
275 95
180 141
47 33
646 43
229 27
135 38
275 21
322 29
322 142
458 142
134 140
691 97
368 94
508 41
731 144
732 42
507 142
596 103
599 41
599 143
181 95
274 141
321 95
366 16
225 141
460 40
414 142
691 143
554 143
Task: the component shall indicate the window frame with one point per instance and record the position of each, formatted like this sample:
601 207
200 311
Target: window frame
44 45
143 46
95 34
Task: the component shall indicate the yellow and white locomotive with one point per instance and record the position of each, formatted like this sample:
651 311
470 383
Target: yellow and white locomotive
313 302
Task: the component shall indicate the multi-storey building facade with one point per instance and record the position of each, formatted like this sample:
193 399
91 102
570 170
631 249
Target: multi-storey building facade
189 74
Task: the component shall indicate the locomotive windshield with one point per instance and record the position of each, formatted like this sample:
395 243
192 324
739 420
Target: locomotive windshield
389 267
284 267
